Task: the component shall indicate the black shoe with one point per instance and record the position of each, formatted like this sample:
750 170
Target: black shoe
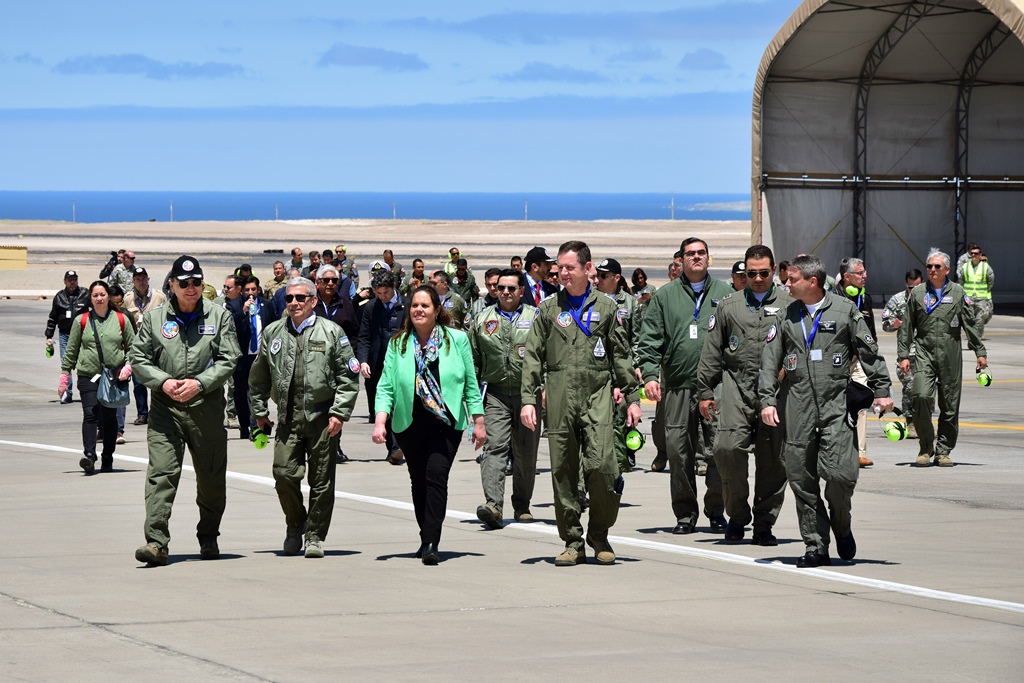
66 398
847 547
141 420
419 551
508 469
88 464
430 554
659 463
683 528
244 435
107 464
718 524
208 549
584 500
813 559
733 532
764 538
341 457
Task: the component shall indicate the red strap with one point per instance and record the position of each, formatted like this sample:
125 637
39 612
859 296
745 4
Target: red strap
84 318
120 319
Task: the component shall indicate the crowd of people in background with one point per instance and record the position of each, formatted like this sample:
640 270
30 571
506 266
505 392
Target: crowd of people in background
781 361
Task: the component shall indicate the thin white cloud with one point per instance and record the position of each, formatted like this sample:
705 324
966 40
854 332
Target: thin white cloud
140 65
27 58
344 54
703 59
535 72
640 53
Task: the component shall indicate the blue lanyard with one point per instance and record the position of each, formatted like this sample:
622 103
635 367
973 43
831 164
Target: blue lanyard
700 300
188 320
577 313
808 338
511 316
938 298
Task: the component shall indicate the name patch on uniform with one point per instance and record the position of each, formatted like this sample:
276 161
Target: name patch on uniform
827 326
948 299
521 351
621 315
491 326
524 324
734 342
599 351
564 319
447 303
275 346
595 317
837 360
771 310
169 330
772 331
318 346
789 363
711 323
207 329
353 366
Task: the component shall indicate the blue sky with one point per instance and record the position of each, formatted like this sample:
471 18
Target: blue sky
612 96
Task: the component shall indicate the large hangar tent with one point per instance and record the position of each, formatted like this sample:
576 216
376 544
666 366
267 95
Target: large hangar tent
884 128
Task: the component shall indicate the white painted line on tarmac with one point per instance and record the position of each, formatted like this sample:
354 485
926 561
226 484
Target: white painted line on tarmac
703 553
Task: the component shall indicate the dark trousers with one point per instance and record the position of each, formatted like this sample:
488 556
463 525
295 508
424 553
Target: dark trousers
241 395
95 415
141 397
429 447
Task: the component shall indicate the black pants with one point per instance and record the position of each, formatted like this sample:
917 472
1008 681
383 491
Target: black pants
241 397
95 415
429 446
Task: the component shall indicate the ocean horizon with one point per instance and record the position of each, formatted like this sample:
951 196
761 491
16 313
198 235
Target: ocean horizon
111 207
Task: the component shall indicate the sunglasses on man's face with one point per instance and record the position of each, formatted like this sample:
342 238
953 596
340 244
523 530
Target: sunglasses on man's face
328 279
933 266
764 273
506 288
975 253
191 282
301 298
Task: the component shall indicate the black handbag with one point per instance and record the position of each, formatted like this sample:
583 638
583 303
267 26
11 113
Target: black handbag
110 392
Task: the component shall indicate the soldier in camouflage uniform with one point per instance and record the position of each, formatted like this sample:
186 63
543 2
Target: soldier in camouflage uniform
452 302
893 314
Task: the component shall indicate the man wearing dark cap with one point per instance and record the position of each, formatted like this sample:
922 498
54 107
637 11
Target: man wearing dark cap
137 302
67 303
538 265
739 276
184 353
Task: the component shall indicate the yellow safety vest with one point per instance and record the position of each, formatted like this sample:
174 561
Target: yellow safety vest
976 281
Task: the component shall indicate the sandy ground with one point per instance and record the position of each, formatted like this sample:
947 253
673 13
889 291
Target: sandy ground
54 247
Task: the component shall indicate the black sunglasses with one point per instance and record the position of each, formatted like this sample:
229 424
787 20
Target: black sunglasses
764 273
933 266
191 282
604 276
301 298
328 279
506 288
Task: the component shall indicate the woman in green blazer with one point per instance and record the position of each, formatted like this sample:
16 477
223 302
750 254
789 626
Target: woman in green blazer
115 334
429 389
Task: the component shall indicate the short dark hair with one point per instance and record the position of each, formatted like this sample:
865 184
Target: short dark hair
382 278
913 274
759 251
237 279
973 245
580 248
415 261
512 272
441 275
388 252
461 262
115 290
491 272
252 279
783 265
514 259
690 240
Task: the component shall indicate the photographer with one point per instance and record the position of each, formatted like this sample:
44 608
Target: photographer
112 262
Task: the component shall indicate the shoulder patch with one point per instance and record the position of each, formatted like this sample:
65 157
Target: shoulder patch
353 366
711 323
275 346
869 339
772 331
343 341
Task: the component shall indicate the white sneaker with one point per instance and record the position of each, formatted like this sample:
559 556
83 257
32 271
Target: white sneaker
313 548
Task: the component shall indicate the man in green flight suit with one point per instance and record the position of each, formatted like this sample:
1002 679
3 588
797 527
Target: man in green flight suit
184 353
817 337
306 365
671 339
610 282
731 358
498 337
577 340
936 312
450 299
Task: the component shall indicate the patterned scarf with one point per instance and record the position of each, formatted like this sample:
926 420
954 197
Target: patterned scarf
426 386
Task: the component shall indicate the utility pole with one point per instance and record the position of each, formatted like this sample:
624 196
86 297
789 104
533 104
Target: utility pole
275 211
673 206
526 209
172 210
394 211
73 211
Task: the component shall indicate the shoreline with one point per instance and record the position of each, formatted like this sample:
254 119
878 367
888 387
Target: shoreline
56 246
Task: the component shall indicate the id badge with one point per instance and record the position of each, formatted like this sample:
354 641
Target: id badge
67 314
816 354
693 331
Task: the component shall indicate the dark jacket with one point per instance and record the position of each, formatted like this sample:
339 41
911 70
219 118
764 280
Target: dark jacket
376 329
862 302
242 328
529 296
66 307
341 311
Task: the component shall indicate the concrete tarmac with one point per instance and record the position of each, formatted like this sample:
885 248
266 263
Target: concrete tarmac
936 590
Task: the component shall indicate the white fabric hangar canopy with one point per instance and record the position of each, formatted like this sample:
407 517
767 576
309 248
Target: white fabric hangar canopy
881 129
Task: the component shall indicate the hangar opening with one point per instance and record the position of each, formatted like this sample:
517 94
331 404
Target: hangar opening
881 129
